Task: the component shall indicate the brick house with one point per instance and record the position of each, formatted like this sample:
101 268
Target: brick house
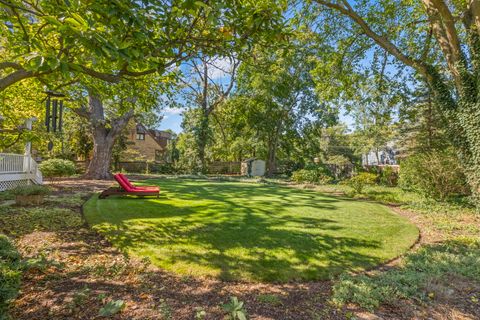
147 144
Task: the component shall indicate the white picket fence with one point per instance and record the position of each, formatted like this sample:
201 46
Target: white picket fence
17 170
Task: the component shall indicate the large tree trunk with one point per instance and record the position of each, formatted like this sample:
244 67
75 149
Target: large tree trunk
271 159
202 143
103 137
99 166
458 103
272 152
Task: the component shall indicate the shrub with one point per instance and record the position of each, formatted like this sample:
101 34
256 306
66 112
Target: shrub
289 167
430 264
30 190
388 177
312 174
436 175
54 168
361 180
10 273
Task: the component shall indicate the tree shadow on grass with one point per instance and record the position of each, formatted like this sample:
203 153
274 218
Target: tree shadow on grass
210 229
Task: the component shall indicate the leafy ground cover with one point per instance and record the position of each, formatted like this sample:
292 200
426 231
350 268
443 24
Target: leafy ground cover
251 231
444 271
9 274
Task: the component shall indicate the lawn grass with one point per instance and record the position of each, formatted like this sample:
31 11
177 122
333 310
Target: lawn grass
251 231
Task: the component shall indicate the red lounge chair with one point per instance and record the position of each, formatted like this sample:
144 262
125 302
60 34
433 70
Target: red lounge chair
129 189
125 179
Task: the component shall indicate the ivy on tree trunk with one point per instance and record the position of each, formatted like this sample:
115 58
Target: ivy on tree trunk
456 97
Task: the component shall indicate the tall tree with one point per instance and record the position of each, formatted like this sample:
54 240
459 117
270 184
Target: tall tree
405 30
207 82
117 42
281 89
421 126
108 109
113 40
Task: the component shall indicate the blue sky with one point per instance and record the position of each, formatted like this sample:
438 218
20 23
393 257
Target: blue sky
172 119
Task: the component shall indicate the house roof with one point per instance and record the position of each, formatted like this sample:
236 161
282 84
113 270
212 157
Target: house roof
160 137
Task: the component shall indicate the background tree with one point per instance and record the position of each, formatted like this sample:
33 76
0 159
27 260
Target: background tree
207 82
78 41
17 104
330 142
108 109
405 30
281 96
421 126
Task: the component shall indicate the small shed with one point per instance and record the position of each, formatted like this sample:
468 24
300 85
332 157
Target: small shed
253 167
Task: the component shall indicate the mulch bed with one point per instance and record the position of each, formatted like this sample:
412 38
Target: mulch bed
82 271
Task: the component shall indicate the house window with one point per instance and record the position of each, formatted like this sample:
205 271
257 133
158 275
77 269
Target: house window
140 136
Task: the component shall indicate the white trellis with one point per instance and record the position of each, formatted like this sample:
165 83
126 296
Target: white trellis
17 170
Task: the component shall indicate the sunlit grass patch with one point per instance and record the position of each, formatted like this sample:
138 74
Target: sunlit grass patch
251 231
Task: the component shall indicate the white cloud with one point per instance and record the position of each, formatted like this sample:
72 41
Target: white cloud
219 68
173 111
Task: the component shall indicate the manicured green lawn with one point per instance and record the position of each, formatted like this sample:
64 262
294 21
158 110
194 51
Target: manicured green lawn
252 232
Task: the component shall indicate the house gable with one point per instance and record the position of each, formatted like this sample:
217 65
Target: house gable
145 144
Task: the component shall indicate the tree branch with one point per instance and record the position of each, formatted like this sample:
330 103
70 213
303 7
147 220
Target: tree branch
11 5
6 64
119 124
443 27
14 77
379 40
81 112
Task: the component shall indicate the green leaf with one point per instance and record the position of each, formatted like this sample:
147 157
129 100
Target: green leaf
73 22
79 18
124 45
241 315
52 20
202 4
35 62
111 308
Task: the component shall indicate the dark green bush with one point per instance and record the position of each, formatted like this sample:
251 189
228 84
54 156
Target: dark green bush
361 180
10 274
312 174
289 167
55 168
30 190
388 177
164 168
436 175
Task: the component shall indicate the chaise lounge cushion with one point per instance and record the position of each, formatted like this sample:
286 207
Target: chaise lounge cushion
123 184
128 186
